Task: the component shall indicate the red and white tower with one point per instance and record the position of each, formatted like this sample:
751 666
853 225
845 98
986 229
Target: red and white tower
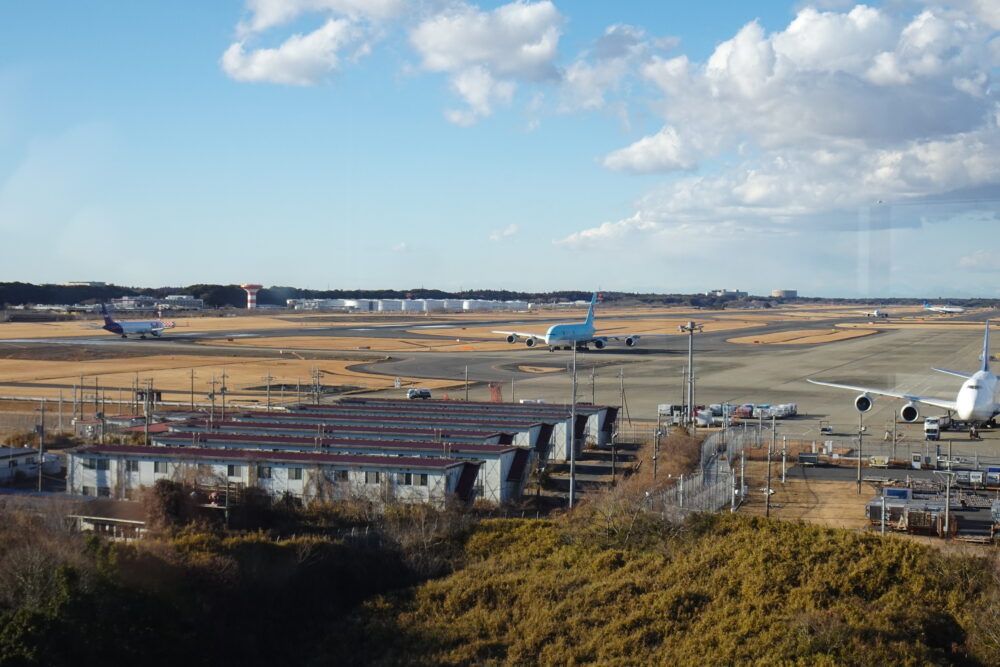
251 291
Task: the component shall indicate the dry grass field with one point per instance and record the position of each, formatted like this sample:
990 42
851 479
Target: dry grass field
803 337
335 343
172 375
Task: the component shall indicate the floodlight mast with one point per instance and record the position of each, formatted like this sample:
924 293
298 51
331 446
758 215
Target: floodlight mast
690 328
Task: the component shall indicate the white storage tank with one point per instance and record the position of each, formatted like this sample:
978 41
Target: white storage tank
389 304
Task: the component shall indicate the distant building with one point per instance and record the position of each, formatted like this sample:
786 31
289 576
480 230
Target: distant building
731 293
181 302
785 294
134 303
85 283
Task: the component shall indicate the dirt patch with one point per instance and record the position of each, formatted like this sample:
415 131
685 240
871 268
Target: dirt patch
540 369
826 503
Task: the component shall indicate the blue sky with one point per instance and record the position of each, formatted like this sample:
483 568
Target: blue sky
838 149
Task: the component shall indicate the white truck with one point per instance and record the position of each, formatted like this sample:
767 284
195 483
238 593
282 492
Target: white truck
934 425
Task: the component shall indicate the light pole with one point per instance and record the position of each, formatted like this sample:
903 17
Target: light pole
690 328
571 436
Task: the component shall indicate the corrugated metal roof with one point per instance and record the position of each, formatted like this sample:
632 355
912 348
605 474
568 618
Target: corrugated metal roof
258 455
236 438
293 426
483 421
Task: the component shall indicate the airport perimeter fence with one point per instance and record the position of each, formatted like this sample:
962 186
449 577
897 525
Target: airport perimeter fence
713 487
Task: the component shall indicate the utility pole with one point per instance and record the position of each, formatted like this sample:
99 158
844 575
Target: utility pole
192 390
222 390
690 328
572 436
767 488
61 408
861 430
41 446
211 415
147 408
656 444
467 383
268 379
593 385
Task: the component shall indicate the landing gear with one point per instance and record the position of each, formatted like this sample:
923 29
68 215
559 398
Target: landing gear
142 336
124 336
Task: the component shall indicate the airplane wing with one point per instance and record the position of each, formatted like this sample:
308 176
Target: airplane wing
955 373
520 334
936 402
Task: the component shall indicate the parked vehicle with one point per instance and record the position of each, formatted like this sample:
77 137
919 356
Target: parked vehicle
418 393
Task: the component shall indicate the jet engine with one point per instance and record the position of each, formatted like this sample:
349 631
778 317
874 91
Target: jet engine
863 403
512 338
599 344
909 412
530 342
631 341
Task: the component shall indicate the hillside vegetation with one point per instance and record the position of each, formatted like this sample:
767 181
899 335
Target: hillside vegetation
610 584
716 590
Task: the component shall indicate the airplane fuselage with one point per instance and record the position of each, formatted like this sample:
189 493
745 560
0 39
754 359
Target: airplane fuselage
977 400
568 334
125 329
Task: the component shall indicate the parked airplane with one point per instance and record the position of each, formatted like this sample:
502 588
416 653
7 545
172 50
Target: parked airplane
977 399
943 309
875 313
566 335
134 328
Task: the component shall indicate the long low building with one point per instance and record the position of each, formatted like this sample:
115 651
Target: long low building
383 432
119 471
600 419
536 434
501 478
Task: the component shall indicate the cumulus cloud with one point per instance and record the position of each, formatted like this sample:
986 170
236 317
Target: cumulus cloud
486 53
302 60
266 14
812 123
504 233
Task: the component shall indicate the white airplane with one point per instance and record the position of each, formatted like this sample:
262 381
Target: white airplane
977 401
135 328
943 309
580 334
877 314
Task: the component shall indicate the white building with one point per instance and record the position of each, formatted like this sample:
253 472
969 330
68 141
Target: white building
14 460
120 471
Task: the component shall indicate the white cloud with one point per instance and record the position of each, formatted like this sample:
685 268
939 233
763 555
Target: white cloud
485 54
302 60
266 14
504 233
808 125
980 260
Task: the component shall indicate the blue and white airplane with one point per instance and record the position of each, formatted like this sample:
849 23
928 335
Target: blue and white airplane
135 328
567 335
943 309
977 402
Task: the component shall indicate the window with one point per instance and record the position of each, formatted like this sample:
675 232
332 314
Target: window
295 473
404 478
371 477
131 466
159 466
263 472
12 463
104 491
340 475
104 464
422 479
89 463
88 491
234 470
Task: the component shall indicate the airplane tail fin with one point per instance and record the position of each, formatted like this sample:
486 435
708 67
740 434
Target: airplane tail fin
590 311
107 317
986 347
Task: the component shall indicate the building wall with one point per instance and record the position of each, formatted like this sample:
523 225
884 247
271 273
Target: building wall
111 476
